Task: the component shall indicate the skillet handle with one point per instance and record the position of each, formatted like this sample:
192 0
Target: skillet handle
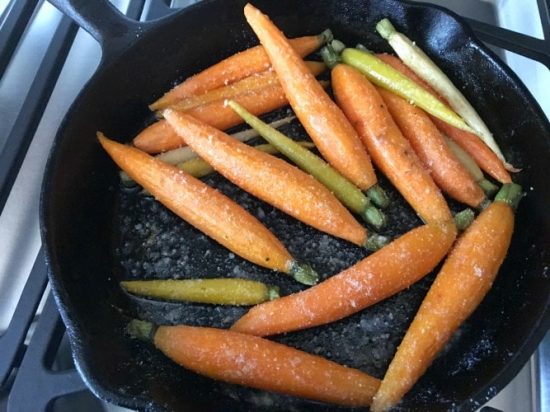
114 31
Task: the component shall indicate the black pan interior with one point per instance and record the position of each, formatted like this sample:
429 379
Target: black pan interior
97 233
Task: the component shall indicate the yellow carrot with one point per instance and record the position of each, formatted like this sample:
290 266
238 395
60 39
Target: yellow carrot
221 291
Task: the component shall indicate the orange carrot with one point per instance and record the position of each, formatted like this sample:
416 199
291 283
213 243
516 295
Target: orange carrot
324 121
390 151
206 209
391 269
234 68
159 137
256 81
259 363
428 143
271 179
480 152
458 289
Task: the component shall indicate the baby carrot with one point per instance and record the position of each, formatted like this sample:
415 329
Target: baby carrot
480 152
460 286
391 269
324 121
234 68
259 363
160 138
471 143
182 154
342 188
387 77
428 143
223 291
390 151
208 210
424 67
255 81
489 188
271 179
198 167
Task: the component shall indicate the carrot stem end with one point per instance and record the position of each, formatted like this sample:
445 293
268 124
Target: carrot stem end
375 242
304 273
511 194
141 329
464 219
378 196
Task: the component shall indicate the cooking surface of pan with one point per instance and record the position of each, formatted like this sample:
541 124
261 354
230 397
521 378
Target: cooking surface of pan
97 233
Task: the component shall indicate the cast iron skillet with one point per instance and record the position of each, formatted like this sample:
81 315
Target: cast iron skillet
97 234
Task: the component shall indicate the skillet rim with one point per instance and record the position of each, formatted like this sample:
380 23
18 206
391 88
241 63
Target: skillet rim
74 327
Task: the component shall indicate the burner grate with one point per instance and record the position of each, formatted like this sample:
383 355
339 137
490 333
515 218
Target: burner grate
24 370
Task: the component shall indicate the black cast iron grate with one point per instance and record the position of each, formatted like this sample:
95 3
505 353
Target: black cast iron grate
25 369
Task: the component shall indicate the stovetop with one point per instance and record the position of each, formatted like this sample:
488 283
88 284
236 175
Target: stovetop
44 61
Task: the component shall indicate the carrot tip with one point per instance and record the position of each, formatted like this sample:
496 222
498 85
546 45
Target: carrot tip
378 196
304 273
141 329
375 242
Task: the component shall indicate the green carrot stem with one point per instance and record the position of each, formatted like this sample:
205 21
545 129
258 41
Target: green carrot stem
375 242
385 76
378 196
489 188
511 194
304 273
330 56
464 219
385 28
141 329
342 188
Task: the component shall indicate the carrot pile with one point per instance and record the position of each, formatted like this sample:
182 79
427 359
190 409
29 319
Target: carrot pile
383 114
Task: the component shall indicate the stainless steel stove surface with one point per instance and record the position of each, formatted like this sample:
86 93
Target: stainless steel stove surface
43 65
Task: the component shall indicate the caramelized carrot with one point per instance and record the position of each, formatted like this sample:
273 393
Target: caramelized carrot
256 81
259 363
390 151
428 143
324 121
269 178
391 269
458 289
159 137
208 210
471 143
234 68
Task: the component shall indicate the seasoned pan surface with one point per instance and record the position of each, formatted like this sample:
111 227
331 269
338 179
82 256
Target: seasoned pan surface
97 233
